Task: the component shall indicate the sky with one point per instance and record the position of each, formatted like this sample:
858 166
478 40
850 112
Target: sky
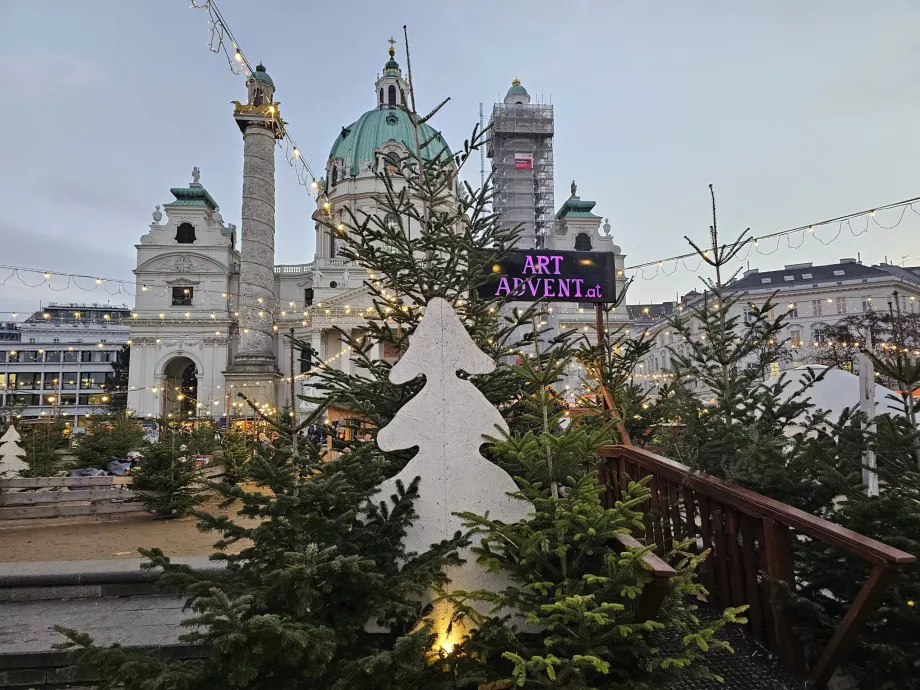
796 112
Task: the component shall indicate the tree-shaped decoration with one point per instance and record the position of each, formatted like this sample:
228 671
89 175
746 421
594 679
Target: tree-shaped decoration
447 421
11 463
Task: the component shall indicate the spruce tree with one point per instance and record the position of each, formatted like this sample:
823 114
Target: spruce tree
107 437
236 455
39 444
168 481
577 592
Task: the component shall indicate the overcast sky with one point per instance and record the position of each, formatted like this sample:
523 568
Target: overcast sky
795 111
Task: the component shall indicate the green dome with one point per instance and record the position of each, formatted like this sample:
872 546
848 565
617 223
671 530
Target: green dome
261 75
359 140
517 88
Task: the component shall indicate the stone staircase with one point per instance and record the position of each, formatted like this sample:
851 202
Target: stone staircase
114 601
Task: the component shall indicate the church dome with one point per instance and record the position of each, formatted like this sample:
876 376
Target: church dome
362 138
261 75
517 88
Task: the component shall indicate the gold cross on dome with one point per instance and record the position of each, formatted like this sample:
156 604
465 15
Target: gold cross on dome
392 43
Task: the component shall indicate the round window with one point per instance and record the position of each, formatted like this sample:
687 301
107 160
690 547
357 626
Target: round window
333 284
392 120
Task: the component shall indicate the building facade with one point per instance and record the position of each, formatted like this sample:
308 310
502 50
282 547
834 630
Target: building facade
207 324
59 362
815 298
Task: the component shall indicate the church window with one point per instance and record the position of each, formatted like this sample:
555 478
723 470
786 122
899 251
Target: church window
381 95
334 177
185 233
582 242
182 296
307 296
391 95
333 284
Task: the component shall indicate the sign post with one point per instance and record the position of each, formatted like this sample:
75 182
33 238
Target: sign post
560 276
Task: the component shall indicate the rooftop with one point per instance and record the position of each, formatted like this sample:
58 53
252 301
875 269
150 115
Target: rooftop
799 275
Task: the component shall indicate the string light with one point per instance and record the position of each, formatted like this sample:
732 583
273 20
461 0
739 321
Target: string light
810 229
220 36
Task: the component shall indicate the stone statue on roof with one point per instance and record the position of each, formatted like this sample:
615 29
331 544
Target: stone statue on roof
574 188
196 175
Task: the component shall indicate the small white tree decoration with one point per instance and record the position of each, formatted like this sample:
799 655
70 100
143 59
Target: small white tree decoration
447 421
11 454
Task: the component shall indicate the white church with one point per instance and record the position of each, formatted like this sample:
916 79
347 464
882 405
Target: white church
213 307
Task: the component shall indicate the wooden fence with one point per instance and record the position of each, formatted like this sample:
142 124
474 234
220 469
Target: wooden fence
751 538
44 497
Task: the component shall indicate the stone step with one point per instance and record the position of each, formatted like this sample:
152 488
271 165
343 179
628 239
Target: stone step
55 580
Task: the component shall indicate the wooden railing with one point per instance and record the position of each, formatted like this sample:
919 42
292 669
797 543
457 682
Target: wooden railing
751 538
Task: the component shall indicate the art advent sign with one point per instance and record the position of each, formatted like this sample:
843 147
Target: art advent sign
553 276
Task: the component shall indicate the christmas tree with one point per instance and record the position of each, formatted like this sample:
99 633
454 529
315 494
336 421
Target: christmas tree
578 594
106 437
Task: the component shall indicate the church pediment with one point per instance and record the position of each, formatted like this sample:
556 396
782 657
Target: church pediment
350 297
181 262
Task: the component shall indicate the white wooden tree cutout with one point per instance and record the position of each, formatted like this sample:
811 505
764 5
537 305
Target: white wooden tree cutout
447 421
11 463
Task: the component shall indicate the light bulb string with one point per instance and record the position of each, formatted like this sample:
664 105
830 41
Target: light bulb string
810 228
218 29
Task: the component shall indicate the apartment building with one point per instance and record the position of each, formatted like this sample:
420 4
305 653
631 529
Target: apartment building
58 361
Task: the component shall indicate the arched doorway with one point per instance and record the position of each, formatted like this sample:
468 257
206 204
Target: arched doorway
180 388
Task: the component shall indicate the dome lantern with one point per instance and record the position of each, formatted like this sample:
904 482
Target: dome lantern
391 87
517 94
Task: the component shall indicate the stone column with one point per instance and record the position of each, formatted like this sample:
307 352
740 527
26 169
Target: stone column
316 342
255 353
345 364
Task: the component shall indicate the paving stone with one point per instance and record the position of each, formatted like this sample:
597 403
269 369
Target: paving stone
27 626
44 593
159 601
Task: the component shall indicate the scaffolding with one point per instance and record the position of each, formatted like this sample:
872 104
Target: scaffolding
521 150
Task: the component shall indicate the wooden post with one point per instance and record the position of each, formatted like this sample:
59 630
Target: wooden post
867 405
778 563
607 399
654 593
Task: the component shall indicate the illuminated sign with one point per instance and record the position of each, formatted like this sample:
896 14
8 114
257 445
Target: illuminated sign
552 276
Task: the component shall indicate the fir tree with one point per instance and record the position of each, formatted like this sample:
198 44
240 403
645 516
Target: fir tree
203 438
236 455
107 437
39 444
566 580
168 481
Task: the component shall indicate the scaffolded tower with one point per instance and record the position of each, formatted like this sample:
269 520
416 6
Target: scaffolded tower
521 149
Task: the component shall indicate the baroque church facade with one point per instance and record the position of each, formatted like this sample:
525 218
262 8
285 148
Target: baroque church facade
214 309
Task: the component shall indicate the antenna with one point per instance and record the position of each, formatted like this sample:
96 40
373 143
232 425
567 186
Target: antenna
482 152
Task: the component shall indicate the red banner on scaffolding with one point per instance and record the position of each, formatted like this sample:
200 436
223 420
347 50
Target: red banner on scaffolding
523 161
